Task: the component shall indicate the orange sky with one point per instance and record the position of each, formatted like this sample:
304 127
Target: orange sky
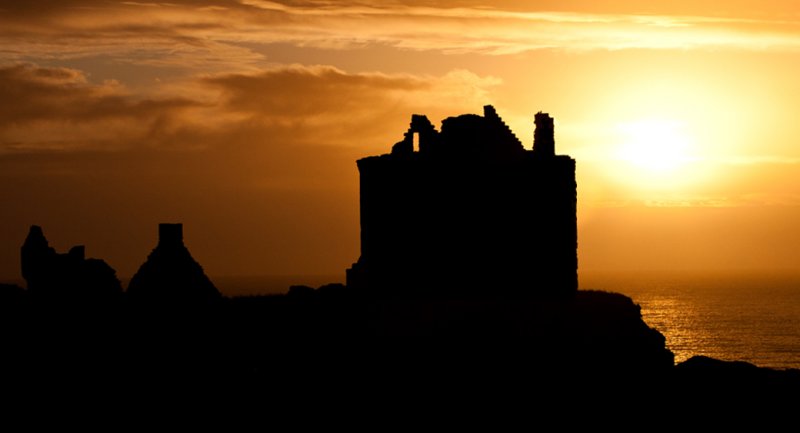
243 120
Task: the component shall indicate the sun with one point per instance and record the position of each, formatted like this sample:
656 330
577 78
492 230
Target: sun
657 146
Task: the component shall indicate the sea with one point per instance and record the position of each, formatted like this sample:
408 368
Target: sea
747 316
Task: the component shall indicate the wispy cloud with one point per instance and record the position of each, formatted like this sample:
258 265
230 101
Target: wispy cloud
221 34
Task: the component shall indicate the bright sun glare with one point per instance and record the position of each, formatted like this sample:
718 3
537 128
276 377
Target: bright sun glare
657 146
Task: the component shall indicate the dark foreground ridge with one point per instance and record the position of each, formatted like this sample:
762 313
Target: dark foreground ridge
315 341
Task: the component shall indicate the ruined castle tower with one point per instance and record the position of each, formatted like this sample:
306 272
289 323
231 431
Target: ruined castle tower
170 275
69 277
468 212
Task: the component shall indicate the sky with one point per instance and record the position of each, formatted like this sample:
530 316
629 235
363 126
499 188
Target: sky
243 120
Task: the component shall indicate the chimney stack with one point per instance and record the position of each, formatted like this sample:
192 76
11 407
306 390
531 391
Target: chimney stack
170 235
544 143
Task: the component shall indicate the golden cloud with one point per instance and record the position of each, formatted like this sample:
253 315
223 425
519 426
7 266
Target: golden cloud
221 35
57 108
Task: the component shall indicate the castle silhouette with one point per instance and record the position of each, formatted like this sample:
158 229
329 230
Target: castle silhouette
465 211
468 211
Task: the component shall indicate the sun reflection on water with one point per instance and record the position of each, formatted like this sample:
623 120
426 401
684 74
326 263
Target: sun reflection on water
678 320
748 318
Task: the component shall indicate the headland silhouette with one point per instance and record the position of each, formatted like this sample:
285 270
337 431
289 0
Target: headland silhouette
467 282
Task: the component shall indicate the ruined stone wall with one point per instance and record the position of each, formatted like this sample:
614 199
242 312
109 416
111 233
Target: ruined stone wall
69 277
